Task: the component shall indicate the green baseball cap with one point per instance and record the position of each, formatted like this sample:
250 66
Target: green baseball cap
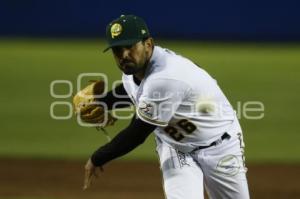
126 30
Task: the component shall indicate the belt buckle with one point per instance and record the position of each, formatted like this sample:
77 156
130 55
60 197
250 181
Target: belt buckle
218 141
222 138
215 143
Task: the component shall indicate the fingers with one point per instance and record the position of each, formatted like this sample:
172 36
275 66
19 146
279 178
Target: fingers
95 111
86 108
87 179
98 120
90 174
95 114
89 169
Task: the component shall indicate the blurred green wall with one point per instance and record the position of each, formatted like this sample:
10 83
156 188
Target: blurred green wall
266 72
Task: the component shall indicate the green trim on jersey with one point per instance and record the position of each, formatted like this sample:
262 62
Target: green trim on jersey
155 122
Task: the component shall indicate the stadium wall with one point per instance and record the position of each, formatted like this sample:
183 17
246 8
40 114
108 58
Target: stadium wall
215 19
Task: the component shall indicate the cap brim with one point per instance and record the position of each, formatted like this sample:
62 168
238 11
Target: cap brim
122 43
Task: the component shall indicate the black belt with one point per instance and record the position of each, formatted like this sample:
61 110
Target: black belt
218 141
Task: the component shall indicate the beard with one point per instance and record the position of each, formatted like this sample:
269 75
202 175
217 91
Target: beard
130 68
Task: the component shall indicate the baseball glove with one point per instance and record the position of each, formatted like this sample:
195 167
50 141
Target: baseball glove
88 109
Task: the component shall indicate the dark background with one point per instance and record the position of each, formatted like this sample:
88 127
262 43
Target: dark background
213 20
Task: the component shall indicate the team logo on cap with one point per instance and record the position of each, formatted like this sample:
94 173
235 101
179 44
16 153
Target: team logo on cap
115 30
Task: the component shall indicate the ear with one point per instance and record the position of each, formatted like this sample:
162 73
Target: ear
149 43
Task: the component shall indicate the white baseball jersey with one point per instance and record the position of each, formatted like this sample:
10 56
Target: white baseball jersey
183 100
190 110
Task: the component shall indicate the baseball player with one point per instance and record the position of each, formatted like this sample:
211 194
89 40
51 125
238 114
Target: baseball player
199 139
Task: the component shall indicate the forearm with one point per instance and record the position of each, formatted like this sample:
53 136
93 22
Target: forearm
127 140
110 99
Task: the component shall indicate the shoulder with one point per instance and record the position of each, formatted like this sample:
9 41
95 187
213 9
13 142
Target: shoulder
169 65
165 87
159 100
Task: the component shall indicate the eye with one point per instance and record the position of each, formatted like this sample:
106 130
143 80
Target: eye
128 47
117 49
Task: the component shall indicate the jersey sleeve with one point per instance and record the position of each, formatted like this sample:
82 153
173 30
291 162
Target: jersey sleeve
160 99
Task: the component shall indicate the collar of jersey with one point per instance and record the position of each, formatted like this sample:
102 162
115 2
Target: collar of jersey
154 58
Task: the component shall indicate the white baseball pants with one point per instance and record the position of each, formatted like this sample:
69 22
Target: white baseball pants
220 169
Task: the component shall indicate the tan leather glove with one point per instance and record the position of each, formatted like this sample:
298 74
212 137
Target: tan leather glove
86 106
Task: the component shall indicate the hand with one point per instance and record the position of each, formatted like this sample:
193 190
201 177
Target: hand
91 172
